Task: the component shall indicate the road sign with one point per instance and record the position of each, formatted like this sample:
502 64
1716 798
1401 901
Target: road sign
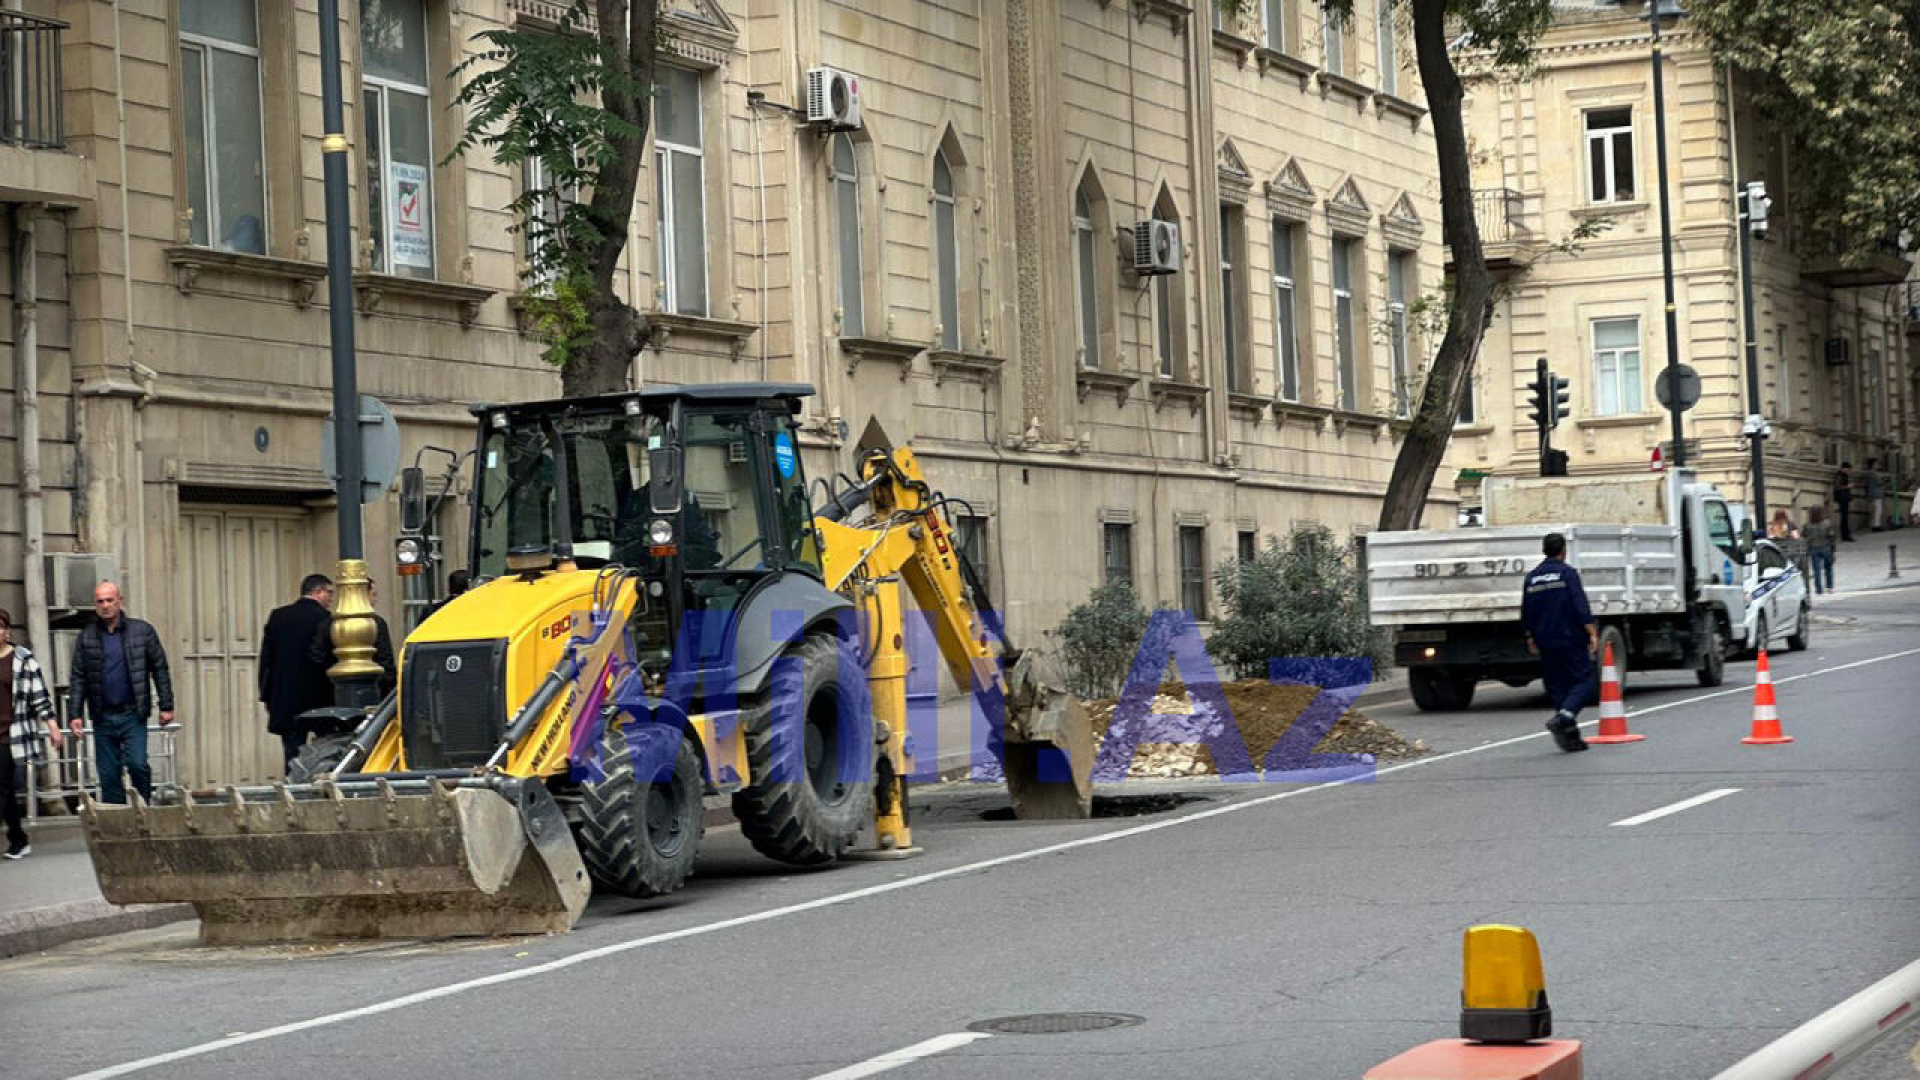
1666 450
379 449
1681 383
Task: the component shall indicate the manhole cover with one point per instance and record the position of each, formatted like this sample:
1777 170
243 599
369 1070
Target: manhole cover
1054 1023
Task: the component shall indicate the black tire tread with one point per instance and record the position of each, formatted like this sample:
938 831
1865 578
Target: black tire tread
612 832
318 756
785 820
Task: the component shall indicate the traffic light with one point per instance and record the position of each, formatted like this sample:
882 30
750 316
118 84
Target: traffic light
1561 396
1757 206
1540 397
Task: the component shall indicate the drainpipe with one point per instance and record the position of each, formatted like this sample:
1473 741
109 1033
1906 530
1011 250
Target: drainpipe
26 383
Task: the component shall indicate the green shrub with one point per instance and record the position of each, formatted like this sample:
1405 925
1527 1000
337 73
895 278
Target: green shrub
1098 640
1301 598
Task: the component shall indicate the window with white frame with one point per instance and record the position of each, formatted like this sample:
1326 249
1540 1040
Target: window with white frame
225 140
1273 16
546 214
946 253
1399 281
1286 336
680 192
1334 33
1389 55
399 145
1610 176
1231 254
1616 367
844 174
1782 376
1086 278
1346 373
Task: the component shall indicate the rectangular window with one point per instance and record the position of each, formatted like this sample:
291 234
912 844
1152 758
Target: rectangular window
1116 552
225 149
1782 376
1389 54
1399 276
680 200
1193 571
399 143
544 217
1286 345
1348 375
845 176
1336 38
970 535
1246 545
1610 156
1229 299
1467 414
1274 17
1616 367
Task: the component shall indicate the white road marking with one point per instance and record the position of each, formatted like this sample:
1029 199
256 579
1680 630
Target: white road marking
1674 808
618 947
893 1059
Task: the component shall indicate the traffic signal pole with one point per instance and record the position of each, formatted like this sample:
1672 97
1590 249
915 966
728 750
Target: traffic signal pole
1747 200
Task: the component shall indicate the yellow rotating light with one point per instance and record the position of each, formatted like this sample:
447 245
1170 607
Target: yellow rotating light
1503 991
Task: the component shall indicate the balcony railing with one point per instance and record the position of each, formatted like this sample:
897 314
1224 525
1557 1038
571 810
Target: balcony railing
1498 212
31 108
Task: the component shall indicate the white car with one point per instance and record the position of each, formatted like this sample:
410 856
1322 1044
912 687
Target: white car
1778 608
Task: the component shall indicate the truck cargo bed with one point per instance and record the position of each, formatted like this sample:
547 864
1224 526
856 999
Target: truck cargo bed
1476 574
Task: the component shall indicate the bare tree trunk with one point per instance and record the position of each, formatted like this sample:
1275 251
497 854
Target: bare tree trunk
628 32
1471 299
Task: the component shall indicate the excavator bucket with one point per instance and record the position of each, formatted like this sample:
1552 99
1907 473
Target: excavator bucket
354 858
1049 743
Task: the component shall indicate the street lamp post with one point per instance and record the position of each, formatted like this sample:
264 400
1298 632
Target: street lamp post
1750 217
1655 9
355 675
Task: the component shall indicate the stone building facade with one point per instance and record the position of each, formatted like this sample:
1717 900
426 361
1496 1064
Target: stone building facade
960 267
1839 345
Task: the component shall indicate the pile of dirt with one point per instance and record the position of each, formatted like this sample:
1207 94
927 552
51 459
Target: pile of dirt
1262 712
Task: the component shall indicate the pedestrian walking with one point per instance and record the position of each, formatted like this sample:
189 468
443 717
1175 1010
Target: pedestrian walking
1781 527
114 660
1843 497
1819 537
321 650
1561 631
26 710
1876 495
291 681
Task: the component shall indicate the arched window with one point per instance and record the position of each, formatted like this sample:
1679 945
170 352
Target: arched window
1088 278
1169 307
946 255
844 174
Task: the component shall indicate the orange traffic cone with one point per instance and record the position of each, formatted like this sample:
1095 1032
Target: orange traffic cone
1766 721
1613 709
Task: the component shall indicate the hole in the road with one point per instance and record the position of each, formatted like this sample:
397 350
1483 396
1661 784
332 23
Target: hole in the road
1055 1023
1106 806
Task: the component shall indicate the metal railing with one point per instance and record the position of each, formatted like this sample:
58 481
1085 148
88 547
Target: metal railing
72 769
1499 212
32 106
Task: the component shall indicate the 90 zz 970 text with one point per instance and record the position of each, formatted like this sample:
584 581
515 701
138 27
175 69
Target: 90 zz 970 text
1466 567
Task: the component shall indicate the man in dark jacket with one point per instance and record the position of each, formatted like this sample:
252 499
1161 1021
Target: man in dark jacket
321 650
1561 631
291 682
114 659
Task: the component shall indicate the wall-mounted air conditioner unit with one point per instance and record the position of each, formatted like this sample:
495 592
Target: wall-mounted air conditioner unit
833 99
71 576
1156 248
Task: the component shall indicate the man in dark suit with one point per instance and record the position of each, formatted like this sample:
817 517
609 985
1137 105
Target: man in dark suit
291 681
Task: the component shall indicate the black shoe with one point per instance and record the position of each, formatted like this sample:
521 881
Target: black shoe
19 851
1566 733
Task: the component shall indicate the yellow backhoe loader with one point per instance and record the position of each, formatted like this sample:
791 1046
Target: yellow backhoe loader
662 614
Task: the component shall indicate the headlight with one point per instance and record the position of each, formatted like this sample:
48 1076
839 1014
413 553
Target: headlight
661 531
407 552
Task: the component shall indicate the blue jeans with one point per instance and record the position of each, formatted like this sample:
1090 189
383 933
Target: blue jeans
1822 568
120 741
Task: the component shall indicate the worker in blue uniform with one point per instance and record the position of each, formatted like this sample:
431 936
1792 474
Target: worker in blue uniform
1561 631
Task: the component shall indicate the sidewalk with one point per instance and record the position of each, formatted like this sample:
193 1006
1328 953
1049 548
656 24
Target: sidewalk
1863 563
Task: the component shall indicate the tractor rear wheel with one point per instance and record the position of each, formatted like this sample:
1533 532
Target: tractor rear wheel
810 755
317 758
640 825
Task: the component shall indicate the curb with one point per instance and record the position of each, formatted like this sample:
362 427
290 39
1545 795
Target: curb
42 928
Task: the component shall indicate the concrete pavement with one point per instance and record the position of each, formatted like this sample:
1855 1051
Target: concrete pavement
1299 932
1864 563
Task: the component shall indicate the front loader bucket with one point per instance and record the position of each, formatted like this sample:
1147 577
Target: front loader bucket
1049 744
353 859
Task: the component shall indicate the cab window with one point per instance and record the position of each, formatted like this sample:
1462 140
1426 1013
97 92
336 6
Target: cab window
1720 530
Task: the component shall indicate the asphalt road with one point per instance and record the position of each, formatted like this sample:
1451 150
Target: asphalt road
1269 930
